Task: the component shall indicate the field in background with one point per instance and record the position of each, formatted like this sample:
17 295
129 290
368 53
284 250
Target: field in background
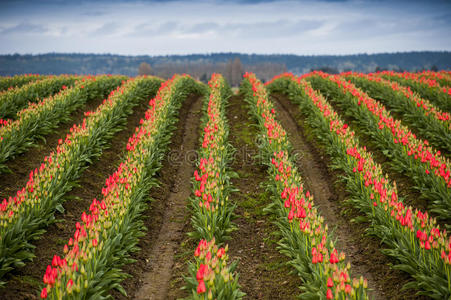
331 186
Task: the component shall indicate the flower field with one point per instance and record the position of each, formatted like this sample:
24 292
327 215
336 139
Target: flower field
315 187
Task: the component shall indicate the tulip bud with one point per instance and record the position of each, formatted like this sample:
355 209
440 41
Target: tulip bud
355 283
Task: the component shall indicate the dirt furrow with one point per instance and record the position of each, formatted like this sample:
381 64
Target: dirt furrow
319 181
168 214
262 269
24 284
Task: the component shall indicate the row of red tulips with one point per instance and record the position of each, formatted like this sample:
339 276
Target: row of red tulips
443 78
16 99
11 82
412 237
426 77
25 215
428 169
210 276
426 88
110 230
305 236
39 119
418 113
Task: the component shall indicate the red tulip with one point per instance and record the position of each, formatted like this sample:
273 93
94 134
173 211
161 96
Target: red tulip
348 289
334 257
329 294
55 260
201 287
330 282
201 272
44 293
69 285
220 253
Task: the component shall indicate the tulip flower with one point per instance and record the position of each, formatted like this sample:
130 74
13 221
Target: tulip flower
44 293
201 287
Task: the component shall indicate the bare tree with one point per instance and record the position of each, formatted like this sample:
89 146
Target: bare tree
144 69
237 72
234 71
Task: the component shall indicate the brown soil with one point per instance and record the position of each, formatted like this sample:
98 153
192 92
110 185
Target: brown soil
21 165
263 272
361 250
167 219
25 283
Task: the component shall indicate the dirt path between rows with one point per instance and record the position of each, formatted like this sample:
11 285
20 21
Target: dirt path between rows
263 273
170 207
318 181
24 283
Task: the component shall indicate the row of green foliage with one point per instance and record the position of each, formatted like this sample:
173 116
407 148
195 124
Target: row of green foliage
12 101
11 82
412 237
305 236
210 276
25 215
407 154
39 119
109 232
440 96
416 112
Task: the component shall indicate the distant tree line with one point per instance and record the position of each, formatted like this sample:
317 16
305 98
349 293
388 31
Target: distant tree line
332 70
202 65
232 70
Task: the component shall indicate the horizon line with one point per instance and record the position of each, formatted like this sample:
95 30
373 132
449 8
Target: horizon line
229 52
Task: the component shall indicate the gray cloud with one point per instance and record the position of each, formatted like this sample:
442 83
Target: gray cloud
24 28
154 29
279 28
263 26
106 29
203 27
168 27
93 13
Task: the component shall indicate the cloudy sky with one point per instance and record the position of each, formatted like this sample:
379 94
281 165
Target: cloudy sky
199 26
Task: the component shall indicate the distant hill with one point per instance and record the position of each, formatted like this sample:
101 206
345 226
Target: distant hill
56 63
